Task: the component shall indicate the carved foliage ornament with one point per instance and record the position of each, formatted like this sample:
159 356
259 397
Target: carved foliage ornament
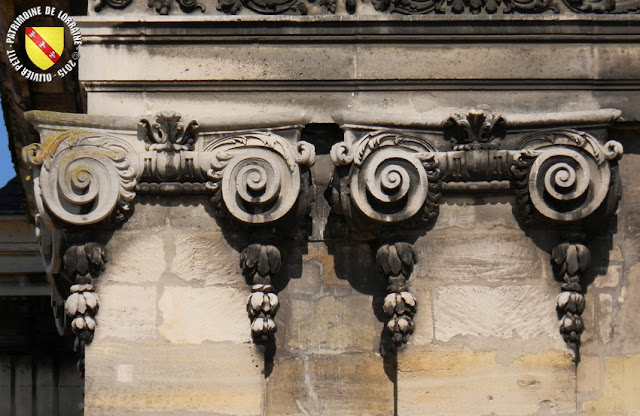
392 177
396 263
564 175
259 264
412 7
168 133
164 6
82 264
570 263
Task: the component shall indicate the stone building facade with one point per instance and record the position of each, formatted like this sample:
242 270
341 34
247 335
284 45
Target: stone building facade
290 207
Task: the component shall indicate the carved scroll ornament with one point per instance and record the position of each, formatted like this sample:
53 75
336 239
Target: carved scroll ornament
391 178
391 171
564 175
82 177
256 177
87 170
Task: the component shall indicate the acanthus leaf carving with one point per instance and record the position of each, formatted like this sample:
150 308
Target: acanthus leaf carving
475 130
168 133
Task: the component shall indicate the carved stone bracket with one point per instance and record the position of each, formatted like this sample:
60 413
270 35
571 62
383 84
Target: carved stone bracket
87 170
564 175
391 171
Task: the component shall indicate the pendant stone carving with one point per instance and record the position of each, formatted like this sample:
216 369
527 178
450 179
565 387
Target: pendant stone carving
570 263
82 264
396 263
88 169
391 173
260 263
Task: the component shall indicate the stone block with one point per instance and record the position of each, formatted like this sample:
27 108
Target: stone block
170 379
457 381
423 319
192 315
333 323
626 327
384 61
525 311
328 385
621 392
589 374
206 258
135 257
126 312
464 255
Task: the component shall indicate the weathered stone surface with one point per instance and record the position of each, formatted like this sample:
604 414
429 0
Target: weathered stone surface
192 315
457 381
626 327
206 258
462 255
168 379
500 311
589 374
346 384
621 391
423 332
333 323
126 312
135 257
611 279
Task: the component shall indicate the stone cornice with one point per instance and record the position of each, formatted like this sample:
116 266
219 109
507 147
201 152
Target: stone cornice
350 7
328 28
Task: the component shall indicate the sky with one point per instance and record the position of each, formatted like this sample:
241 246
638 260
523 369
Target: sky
6 166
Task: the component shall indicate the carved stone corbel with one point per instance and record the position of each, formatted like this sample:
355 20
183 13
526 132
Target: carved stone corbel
391 170
386 179
568 178
87 170
260 180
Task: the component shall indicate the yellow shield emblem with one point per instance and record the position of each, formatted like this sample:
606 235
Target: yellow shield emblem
44 45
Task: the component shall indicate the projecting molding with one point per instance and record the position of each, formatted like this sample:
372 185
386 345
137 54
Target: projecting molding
407 7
